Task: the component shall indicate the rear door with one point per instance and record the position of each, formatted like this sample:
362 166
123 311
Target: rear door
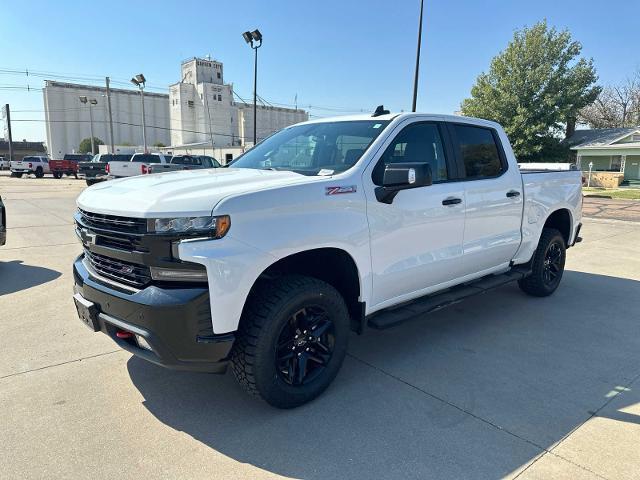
493 196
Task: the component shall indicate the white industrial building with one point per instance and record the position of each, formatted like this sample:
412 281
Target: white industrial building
67 120
199 113
203 109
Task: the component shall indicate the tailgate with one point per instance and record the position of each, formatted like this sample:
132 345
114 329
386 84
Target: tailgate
124 169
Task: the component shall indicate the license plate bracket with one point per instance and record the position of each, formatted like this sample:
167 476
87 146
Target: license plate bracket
87 311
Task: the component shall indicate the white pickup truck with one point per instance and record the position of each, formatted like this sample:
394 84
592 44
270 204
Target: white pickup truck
138 165
36 165
328 226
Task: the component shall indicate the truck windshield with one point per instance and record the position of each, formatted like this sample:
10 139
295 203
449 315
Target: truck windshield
313 149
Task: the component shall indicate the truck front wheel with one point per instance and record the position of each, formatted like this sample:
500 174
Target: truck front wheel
292 340
547 265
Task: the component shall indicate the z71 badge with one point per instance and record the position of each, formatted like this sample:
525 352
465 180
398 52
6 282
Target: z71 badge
340 190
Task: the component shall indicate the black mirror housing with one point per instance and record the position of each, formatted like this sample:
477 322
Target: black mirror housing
403 176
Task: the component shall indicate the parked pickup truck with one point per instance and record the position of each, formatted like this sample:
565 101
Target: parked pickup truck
138 165
36 165
68 165
184 162
327 226
96 170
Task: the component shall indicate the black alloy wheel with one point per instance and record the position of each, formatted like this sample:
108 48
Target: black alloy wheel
305 345
553 264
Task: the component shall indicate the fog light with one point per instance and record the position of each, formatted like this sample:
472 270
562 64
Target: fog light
142 343
181 275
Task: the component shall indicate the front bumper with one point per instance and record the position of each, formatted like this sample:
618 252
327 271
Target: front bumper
175 322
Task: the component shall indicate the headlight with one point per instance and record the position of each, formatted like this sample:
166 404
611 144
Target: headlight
217 227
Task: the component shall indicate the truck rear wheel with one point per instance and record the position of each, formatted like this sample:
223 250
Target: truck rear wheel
547 265
39 172
292 340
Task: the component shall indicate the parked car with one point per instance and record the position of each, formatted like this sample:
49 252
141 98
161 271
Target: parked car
3 223
184 162
138 165
4 164
96 170
36 165
327 226
68 165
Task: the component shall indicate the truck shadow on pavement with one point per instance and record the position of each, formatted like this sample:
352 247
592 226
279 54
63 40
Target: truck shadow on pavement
16 276
475 390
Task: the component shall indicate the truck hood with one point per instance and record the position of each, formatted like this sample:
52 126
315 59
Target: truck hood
183 193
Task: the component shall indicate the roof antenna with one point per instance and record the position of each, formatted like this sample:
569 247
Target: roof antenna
380 111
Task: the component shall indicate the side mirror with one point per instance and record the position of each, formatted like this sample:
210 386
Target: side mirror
403 176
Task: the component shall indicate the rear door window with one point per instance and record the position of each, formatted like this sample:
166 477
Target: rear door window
478 151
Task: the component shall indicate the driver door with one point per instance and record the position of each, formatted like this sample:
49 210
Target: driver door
416 241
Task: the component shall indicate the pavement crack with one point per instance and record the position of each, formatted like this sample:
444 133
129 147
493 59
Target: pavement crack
61 363
543 450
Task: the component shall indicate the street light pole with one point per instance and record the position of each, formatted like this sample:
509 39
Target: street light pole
90 101
415 79
255 96
140 82
93 146
250 38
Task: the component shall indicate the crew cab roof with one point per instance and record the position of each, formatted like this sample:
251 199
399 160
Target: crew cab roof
404 115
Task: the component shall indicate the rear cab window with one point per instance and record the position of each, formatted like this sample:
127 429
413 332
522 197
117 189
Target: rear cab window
144 158
479 151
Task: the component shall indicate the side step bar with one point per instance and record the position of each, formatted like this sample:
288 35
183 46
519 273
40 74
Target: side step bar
430 303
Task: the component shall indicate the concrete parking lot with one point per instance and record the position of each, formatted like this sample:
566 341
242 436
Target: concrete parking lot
503 385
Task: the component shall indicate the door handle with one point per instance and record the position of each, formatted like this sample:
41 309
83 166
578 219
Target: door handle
451 201
513 193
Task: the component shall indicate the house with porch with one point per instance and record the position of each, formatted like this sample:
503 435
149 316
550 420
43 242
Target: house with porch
612 153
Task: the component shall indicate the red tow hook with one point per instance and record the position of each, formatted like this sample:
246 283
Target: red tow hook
124 335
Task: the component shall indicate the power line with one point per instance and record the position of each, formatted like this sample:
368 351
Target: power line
124 82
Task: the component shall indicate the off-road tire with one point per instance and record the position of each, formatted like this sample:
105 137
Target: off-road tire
17 175
268 309
39 172
535 284
91 182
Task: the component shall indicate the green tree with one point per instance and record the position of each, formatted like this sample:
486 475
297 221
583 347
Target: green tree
535 88
85 144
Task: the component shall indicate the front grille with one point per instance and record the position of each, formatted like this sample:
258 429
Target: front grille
114 223
125 244
123 272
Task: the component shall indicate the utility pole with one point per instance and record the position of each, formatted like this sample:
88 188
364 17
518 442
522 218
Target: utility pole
111 140
8 115
415 80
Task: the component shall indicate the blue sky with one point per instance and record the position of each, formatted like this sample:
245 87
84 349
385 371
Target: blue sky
347 55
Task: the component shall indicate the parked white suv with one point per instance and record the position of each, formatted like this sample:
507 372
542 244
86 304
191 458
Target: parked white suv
325 227
36 165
